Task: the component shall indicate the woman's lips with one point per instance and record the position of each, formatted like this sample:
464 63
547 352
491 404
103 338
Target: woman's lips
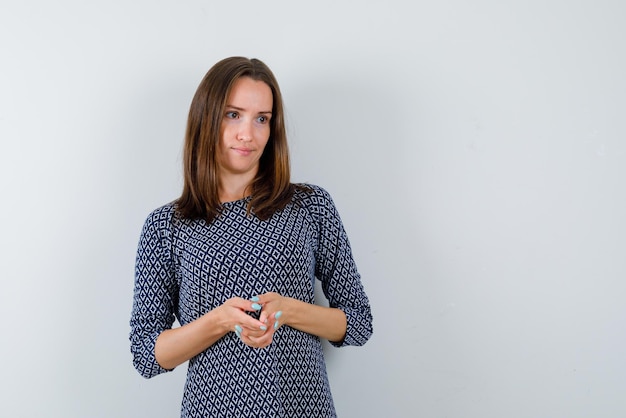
243 151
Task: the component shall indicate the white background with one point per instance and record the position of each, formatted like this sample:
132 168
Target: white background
476 152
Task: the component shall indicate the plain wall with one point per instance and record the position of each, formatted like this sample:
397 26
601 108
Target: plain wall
476 152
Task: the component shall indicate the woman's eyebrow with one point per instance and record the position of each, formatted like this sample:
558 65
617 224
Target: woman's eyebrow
242 109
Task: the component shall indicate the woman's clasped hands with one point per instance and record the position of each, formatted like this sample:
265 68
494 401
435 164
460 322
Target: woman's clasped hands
257 333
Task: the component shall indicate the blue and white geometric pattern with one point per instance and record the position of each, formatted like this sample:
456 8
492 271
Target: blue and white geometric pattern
185 268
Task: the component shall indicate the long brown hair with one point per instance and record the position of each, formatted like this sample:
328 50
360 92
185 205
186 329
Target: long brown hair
271 188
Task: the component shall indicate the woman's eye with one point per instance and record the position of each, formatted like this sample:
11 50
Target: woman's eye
263 119
231 115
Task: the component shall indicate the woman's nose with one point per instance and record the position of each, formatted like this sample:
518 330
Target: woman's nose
245 131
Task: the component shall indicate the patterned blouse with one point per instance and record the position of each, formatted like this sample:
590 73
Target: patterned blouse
185 268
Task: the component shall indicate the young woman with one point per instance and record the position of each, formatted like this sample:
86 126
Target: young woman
235 259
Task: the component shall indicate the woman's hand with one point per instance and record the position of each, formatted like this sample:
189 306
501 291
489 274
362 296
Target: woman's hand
323 322
277 310
262 336
234 317
177 345
273 308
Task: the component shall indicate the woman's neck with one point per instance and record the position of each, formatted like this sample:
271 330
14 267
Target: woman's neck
234 188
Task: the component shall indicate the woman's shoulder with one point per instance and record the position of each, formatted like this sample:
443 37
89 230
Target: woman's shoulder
308 191
162 215
313 196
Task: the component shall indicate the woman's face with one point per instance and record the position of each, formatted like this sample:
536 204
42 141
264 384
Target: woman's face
245 128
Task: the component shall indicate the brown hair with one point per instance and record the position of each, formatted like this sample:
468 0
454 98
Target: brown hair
271 188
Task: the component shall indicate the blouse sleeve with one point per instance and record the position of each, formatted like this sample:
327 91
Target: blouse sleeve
336 269
155 292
